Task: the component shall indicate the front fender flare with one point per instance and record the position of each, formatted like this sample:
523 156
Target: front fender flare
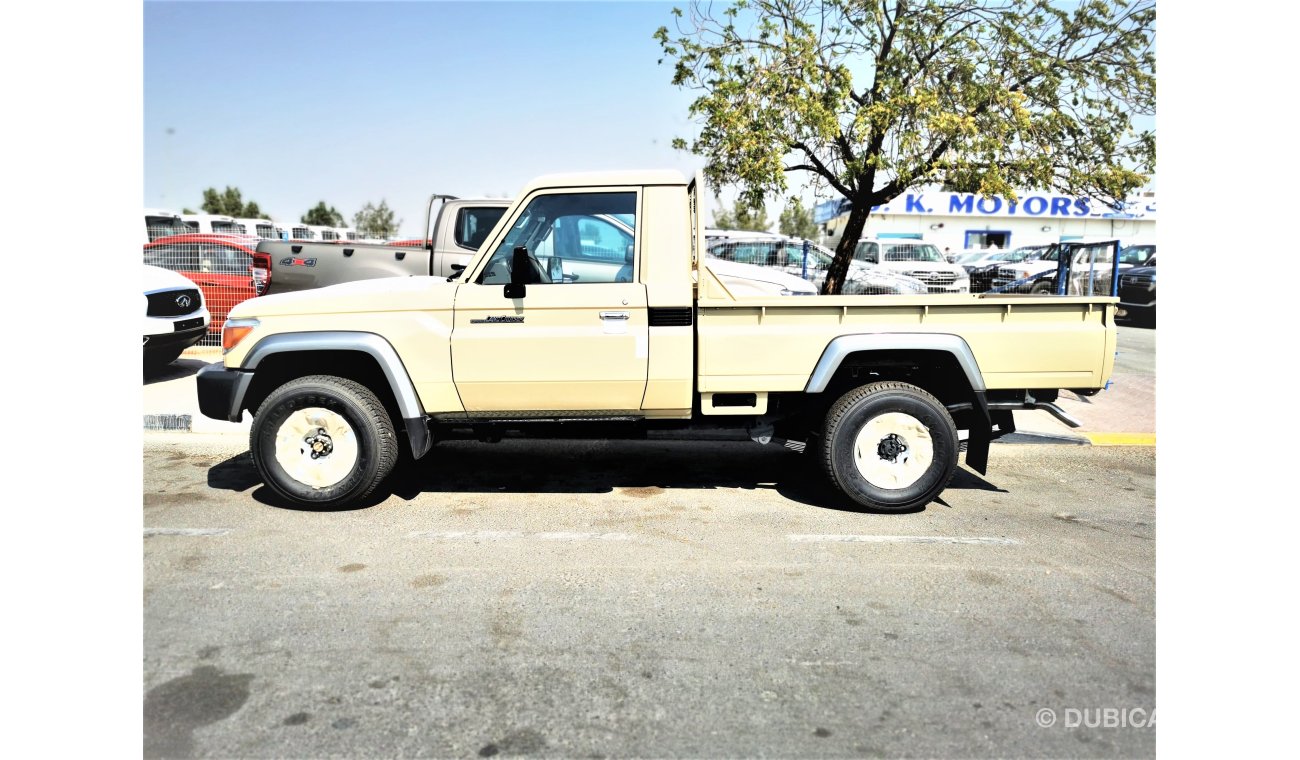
399 380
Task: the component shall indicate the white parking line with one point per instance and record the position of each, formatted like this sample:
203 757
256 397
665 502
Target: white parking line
850 539
505 535
185 531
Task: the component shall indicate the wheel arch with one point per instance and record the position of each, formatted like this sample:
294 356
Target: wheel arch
942 364
364 357
857 350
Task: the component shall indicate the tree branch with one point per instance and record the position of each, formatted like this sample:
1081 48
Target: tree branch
821 169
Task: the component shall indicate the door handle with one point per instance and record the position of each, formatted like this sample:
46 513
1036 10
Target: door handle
615 315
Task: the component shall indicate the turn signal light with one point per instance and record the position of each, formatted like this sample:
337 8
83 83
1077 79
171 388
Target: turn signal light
234 331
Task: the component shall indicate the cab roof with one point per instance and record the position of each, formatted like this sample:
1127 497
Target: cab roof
614 179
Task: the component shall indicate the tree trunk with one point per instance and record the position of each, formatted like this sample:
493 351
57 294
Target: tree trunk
839 268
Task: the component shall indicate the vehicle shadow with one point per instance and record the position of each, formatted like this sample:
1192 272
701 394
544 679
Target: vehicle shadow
174 371
579 466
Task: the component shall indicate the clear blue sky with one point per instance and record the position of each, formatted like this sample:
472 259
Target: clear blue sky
352 102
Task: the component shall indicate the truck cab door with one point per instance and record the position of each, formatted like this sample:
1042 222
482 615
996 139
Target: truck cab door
458 238
577 340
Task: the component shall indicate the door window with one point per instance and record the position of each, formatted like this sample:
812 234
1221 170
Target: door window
474 224
577 238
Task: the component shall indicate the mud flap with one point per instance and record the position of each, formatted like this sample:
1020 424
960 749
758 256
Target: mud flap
981 434
417 432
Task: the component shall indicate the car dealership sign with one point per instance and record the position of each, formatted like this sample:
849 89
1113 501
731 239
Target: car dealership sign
1034 205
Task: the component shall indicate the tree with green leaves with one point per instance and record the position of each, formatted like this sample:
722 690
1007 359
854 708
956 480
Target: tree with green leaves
376 221
797 221
229 203
324 216
873 98
743 216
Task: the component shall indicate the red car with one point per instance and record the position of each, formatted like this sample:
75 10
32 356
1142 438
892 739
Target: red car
225 267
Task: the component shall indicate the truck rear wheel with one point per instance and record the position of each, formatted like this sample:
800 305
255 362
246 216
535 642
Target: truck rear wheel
323 441
889 446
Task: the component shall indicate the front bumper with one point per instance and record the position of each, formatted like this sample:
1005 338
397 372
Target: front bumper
221 392
182 339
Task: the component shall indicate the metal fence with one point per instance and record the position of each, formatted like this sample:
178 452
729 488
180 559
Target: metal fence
221 266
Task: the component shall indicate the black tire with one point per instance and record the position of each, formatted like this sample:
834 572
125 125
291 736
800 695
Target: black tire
1043 288
848 416
376 444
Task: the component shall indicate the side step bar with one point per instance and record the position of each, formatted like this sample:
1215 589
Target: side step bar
1045 406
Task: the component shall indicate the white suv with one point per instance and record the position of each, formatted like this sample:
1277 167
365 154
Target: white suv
175 317
914 258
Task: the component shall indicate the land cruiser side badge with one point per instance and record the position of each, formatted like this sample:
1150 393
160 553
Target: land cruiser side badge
498 320
289 261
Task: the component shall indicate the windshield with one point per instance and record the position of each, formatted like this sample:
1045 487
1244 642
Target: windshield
913 252
162 226
233 228
1136 255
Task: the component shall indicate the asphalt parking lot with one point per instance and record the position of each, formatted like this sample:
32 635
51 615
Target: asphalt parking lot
634 599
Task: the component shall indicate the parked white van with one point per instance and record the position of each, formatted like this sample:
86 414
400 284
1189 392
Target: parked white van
213 224
161 222
323 233
262 228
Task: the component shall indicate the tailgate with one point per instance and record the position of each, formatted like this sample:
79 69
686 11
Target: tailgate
302 266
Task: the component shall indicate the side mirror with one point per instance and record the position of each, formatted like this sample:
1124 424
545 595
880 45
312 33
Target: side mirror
520 268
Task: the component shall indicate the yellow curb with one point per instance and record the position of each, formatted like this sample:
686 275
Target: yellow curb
1121 439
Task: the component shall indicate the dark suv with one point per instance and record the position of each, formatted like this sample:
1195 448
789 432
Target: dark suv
1137 291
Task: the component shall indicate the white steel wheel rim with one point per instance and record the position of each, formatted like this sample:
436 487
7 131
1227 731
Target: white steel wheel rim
322 432
874 443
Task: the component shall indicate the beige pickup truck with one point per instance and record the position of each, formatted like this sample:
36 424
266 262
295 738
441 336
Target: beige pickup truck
560 328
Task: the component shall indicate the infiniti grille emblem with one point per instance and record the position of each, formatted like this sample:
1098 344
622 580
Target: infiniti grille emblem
183 301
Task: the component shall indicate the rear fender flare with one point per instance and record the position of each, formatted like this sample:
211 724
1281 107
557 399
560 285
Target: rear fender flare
841 347
844 345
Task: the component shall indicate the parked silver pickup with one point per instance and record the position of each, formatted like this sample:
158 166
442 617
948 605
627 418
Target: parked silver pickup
453 232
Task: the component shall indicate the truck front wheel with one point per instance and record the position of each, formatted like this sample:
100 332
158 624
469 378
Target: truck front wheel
889 446
323 441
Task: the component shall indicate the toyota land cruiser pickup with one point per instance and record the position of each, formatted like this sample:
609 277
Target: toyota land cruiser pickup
558 329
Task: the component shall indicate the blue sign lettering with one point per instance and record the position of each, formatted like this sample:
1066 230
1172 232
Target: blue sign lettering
914 204
1035 205
1081 207
1060 206
996 201
961 204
